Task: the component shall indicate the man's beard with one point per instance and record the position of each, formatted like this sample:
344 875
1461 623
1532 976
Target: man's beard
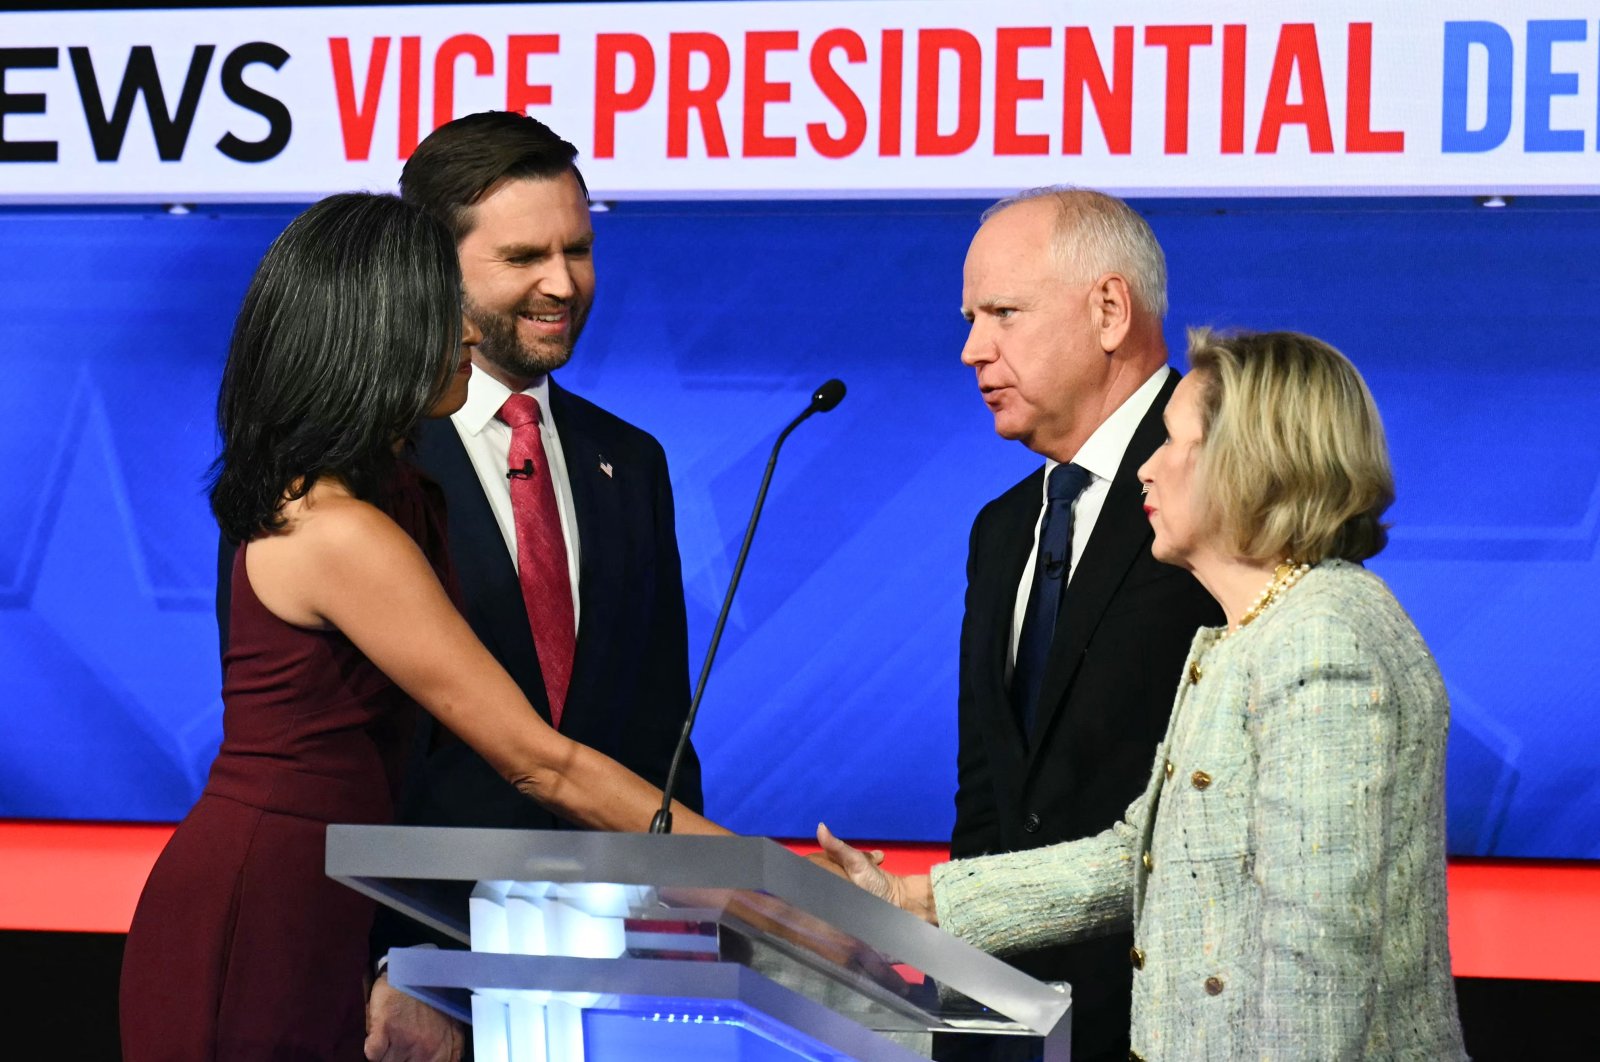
502 347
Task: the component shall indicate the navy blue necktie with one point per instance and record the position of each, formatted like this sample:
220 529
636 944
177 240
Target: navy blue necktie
1050 571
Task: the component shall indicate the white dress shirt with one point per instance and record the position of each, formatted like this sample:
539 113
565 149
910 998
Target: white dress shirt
1100 456
488 443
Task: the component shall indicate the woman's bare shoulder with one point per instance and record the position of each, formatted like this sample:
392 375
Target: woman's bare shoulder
329 519
329 540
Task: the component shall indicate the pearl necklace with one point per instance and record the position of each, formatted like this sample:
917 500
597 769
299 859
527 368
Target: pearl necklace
1284 576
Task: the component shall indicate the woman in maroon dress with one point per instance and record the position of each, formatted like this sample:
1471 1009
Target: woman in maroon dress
241 948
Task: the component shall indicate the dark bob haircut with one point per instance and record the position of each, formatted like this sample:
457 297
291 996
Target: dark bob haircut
340 348
461 161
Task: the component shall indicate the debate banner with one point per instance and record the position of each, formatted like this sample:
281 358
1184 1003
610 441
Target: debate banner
819 100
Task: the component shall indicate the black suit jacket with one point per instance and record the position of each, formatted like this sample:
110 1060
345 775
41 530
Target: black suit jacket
630 679
1114 665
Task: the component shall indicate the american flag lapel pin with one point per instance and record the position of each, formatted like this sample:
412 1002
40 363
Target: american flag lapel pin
605 466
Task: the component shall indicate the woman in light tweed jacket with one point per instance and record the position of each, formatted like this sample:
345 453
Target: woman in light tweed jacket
1284 870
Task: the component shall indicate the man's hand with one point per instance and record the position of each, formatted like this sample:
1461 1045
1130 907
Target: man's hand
913 893
402 1028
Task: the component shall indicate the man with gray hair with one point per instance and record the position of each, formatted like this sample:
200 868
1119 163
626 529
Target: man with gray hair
1074 635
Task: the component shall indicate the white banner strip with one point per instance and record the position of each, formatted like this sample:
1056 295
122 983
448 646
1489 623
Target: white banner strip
826 99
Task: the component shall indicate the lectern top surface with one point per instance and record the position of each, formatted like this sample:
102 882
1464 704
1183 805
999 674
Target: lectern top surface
726 898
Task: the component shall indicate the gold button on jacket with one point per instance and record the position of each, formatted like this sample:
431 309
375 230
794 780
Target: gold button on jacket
1213 986
1136 957
1200 779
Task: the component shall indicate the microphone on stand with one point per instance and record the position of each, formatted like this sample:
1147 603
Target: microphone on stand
823 399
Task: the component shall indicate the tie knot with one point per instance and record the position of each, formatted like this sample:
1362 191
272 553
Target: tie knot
519 411
1067 482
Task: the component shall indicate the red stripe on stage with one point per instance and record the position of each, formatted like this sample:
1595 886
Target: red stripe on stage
1508 919
1525 919
74 876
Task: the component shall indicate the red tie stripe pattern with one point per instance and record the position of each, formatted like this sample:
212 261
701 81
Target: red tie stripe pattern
541 550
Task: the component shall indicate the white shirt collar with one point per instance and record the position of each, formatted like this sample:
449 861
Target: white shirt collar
1101 455
485 396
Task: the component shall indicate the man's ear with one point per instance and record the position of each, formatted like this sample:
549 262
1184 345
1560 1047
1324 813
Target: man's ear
1111 309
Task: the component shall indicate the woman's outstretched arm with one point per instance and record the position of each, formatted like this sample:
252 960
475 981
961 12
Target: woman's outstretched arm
344 564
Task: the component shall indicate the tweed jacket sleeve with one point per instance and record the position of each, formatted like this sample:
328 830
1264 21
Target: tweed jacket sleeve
1022 900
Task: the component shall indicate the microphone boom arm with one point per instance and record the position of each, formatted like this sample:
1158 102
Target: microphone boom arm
825 398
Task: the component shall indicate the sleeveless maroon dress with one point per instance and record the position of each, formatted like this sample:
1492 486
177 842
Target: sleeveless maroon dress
241 948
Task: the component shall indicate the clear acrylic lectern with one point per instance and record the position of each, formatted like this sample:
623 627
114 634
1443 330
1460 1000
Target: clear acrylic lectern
593 947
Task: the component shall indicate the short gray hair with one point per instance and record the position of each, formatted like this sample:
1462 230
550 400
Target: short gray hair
1097 233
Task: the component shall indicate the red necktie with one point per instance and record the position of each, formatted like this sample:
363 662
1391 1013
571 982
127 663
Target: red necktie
541 550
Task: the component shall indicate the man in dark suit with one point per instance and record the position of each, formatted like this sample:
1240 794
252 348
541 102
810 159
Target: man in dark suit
584 607
1073 636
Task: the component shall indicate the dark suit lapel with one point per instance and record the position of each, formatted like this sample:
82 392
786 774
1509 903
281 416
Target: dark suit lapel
1003 560
490 591
1121 534
598 510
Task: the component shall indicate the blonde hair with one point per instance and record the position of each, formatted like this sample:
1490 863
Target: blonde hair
1293 460
1095 234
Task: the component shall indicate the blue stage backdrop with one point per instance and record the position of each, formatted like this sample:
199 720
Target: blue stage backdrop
835 693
